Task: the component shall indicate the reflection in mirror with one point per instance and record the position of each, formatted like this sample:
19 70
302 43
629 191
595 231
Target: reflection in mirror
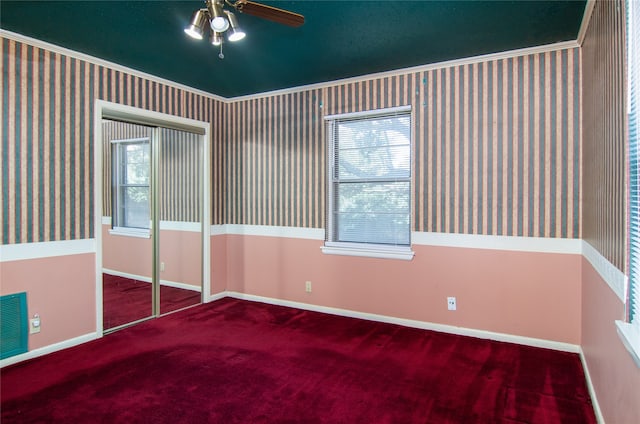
180 252
129 191
127 245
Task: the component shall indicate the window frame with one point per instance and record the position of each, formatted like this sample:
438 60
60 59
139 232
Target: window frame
629 329
117 227
364 249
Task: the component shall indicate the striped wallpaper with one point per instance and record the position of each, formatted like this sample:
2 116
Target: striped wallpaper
180 186
496 148
275 161
604 156
47 155
47 137
496 144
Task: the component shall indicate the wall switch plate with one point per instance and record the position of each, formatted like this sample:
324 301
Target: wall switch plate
34 325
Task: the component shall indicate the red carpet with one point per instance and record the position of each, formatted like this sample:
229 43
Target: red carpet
240 362
126 300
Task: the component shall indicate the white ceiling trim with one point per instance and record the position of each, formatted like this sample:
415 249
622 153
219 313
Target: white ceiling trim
586 18
404 71
101 62
420 68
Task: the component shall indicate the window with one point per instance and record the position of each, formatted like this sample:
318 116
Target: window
369 187
131 173
630 330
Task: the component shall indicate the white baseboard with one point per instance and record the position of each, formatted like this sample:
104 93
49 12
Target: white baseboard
216 296
462 331
592 391
148 280
49 349
482 334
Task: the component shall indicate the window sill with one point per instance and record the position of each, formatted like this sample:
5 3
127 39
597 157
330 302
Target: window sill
382 252
130 232
630 335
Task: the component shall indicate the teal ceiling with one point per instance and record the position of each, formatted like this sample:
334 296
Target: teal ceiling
339 39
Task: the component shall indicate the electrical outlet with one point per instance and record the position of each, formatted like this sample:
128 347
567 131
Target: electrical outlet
34 324
161 266
451 303
307 286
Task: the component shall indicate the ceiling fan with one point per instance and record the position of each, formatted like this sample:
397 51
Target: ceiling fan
221 20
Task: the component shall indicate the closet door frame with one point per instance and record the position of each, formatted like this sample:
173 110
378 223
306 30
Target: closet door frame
109 110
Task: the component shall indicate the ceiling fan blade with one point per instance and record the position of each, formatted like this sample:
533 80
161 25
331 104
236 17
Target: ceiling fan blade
270 13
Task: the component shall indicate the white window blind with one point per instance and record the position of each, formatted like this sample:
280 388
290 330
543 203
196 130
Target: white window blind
370 179
629 330
633 40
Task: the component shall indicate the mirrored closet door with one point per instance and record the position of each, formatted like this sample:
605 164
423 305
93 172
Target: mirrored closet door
180 241
152 227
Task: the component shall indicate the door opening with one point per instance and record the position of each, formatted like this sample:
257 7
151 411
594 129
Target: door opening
153 207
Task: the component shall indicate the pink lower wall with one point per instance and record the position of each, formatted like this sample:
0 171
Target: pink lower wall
557 297
61 289
615 377
219 274
130 255
180 251
519 293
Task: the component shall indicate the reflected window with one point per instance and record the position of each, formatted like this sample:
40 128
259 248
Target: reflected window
131 177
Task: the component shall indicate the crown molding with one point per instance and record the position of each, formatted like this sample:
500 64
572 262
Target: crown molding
101 62
586 18
404 71
563 45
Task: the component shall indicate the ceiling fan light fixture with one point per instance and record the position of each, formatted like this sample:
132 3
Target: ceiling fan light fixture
196 27
216 38
219 21
219 24
236 33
